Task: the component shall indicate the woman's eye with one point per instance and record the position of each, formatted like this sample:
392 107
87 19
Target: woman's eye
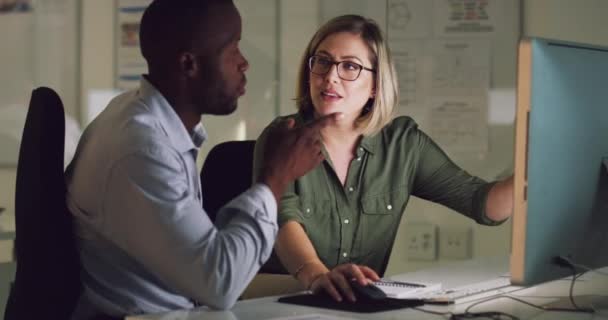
324 62
350 66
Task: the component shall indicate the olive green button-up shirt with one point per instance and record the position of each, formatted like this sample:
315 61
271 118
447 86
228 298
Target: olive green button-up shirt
357 222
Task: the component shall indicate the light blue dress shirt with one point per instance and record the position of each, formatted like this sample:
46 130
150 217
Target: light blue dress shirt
145 242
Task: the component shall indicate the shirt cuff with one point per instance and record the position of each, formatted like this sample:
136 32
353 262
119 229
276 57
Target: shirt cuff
480 210
267 197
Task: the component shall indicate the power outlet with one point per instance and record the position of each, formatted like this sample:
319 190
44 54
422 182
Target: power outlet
421 241
456 243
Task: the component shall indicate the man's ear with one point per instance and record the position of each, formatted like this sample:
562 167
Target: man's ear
188 64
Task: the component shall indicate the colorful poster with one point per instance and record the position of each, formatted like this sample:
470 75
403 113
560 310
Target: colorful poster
466 17
130 64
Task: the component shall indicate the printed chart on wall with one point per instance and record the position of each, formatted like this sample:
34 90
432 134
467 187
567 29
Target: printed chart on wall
130 65
442 52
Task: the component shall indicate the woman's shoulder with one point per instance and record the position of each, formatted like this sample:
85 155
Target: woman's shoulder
402 125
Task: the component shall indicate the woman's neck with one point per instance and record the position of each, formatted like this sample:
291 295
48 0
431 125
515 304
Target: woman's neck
340 138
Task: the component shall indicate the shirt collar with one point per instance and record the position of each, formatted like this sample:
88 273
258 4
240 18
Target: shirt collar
368 143
170 122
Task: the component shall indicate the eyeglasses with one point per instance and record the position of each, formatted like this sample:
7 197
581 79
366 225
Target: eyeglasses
347 70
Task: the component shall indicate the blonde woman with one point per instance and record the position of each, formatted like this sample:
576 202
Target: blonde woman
338 222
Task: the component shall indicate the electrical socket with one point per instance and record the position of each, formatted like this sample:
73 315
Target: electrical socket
456 243
421 241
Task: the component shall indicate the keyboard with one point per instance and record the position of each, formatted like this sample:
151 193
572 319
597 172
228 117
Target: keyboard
470 292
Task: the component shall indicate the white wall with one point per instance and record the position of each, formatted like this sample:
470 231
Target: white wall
96 49
581 21
578 21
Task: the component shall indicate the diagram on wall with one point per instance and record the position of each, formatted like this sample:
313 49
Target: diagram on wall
130 65
442 52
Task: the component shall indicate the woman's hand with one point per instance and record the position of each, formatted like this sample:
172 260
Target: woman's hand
336 282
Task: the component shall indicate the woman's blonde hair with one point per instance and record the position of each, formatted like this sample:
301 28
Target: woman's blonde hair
379 110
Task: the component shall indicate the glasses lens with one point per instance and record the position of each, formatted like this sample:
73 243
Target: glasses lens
349 70
320 65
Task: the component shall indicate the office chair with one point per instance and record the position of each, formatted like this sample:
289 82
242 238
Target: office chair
226 173
47 281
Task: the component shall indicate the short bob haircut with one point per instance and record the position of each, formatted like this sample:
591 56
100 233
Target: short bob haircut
378 111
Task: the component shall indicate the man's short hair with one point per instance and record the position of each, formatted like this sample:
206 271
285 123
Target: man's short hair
169 27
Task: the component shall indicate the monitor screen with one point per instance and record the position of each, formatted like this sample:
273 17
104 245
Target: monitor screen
561 171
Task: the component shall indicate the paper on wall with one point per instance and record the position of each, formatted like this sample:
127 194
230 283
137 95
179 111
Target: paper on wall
467 18
409 19
408 57
130 63
459 125
459 67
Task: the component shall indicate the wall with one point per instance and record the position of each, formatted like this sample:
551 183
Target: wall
581 20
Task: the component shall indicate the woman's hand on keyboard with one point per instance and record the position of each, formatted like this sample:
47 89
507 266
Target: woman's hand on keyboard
336 282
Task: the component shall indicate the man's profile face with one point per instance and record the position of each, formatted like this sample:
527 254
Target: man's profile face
225 72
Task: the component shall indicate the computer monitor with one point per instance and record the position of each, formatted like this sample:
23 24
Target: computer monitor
561 166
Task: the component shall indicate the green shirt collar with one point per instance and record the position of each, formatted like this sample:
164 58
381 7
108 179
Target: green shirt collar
368 143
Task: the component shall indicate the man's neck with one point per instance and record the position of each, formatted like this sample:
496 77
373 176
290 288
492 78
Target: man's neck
186 112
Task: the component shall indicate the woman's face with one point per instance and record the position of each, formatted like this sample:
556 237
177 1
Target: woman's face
331 93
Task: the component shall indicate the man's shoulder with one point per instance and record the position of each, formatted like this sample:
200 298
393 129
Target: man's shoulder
127 126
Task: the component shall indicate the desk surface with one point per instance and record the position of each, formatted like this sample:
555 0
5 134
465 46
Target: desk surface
452 275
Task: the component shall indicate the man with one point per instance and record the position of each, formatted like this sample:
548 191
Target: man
146 245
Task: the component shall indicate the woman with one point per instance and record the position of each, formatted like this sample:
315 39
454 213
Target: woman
338 222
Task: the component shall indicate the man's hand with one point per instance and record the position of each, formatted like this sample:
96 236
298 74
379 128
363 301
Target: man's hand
291 152
337 281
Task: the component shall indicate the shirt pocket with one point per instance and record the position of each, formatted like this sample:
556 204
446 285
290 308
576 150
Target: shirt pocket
318 222
380 215
314 209
392 202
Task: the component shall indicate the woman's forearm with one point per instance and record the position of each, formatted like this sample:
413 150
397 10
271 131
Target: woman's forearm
499 205
298 255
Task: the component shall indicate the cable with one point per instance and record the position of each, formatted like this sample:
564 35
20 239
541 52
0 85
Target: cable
497 315
567 263
438 313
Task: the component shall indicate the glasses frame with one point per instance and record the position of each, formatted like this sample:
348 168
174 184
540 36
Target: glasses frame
337 64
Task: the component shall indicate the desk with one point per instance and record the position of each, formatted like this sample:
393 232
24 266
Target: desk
450 275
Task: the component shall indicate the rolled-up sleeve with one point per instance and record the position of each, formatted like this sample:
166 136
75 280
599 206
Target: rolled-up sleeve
168 231
440 180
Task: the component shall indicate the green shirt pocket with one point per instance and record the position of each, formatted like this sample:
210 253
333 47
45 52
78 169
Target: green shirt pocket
378 226
385 203
319 222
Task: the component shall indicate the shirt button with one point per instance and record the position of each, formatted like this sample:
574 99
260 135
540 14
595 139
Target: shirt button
345 254
361 149
389 207
359 159
351 189
346 221
307 210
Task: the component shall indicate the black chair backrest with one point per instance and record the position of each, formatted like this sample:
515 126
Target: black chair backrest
226 173
47 281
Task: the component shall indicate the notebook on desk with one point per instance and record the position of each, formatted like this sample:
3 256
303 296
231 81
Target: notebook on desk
406 290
